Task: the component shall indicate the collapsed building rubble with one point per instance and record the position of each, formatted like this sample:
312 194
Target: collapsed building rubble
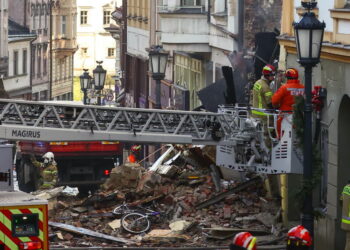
198 207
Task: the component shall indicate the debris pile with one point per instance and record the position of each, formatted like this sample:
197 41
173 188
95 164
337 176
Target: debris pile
191 205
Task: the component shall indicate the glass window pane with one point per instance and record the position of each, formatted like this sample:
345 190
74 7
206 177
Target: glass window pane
316 42
304 40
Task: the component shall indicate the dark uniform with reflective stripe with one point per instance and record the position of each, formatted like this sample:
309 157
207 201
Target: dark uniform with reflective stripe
345 220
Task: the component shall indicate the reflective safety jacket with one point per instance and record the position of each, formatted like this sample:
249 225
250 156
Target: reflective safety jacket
283 99
345 220
261 96
49 176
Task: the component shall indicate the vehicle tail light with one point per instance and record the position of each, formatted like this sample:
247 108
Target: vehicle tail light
109 142
30 245
107 172
59 143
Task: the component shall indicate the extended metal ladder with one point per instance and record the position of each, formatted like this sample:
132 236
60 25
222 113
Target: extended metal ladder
50 121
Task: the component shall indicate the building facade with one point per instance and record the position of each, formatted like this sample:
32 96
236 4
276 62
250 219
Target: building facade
202 35
95 43
3 37
63 46
332 73
17 83
136 58
40 69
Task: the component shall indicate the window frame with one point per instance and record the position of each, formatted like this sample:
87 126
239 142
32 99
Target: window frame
63 25
15 62
111 55
106 17
83 17
195 3
24 61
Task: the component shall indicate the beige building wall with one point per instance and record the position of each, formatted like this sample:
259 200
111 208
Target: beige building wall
332 73
3 37
64 45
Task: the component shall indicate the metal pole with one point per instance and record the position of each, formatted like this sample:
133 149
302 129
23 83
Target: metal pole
307 218
158 104
84 99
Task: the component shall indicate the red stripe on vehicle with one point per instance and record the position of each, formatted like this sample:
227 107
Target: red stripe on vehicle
8 214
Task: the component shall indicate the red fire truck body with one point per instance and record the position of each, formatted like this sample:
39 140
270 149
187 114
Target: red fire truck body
80 164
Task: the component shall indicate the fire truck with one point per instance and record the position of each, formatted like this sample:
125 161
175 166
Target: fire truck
80 164
239 140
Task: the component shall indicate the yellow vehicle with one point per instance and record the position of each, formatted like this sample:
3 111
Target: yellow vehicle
23 217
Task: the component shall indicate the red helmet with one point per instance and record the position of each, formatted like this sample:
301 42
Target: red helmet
245 240
292 73
135 148
268 70
300 234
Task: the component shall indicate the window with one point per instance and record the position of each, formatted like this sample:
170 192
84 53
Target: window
15 63
39 62
63 25
190 2
24 62
111 52
188 74
83 17
45 60
84 52
106 17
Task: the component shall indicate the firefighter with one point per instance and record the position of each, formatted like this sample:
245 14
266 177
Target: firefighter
47 170
261 93
299 238
243 241
345 221
135 152
283 99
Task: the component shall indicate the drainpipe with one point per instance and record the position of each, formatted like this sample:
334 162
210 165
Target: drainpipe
240 25
209 10
124 43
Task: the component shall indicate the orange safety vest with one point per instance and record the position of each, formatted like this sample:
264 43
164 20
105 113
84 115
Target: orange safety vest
132 158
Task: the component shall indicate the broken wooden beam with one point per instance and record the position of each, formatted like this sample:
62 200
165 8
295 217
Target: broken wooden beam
84 231
223 195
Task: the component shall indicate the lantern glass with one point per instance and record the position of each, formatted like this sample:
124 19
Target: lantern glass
99 76
163 59
309 37
155 63
85 81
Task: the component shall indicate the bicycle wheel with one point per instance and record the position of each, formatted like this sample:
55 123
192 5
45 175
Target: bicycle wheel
121 210
135 223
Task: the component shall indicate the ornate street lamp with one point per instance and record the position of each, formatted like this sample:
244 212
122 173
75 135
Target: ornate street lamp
85 83
158 59
309 37
99 79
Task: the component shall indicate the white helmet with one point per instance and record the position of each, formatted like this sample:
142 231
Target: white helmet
49 157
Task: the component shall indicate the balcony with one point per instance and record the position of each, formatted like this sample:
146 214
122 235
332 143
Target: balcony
180 9
185 26
64 45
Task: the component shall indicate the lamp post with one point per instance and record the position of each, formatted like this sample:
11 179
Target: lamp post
99 79
158 59
309 37
85 83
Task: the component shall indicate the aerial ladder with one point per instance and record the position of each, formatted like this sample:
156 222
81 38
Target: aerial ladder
240 139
